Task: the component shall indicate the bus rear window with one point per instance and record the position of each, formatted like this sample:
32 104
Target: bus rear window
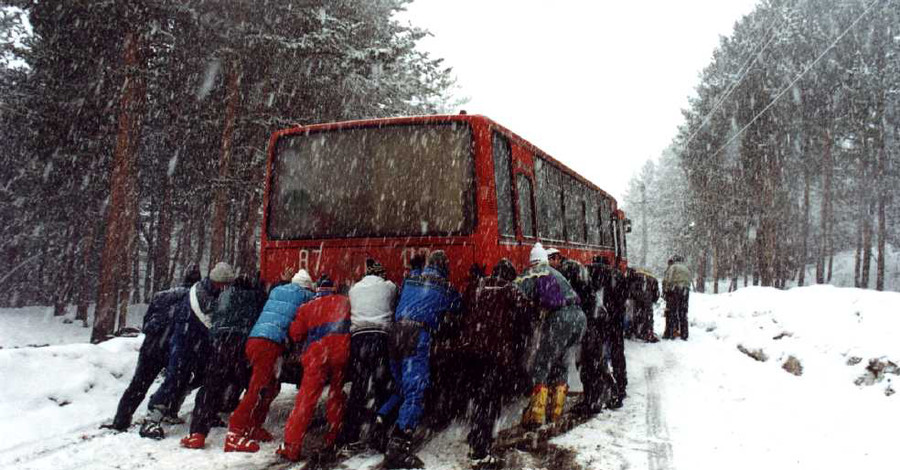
402 180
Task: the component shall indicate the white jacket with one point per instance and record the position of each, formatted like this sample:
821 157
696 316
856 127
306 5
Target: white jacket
371 304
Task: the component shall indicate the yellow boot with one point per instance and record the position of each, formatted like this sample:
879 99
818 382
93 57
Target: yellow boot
558 403
536 413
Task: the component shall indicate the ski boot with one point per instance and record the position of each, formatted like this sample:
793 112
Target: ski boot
535 414
239 442
194 441
399 452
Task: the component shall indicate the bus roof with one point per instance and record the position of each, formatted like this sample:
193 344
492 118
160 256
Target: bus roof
437 118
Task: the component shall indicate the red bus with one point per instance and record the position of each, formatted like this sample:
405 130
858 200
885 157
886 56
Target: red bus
388 189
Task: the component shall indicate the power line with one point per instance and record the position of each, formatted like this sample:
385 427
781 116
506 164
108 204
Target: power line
745 69
799 76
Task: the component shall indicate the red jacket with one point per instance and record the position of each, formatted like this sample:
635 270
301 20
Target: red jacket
322 325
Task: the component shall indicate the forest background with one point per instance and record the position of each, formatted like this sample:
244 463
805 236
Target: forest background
134 133
788 153
134 136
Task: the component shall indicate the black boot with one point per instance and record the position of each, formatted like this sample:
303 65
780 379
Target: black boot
152 426
399 452
378 434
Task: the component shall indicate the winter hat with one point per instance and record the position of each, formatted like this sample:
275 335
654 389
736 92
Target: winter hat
438 259
222 272
551 252
504 270
538 254
192 275
302 279
374 268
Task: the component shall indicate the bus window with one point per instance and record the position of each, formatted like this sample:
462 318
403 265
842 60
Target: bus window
551 224
575 229
526 206
606 221
593 221
502 156
404 180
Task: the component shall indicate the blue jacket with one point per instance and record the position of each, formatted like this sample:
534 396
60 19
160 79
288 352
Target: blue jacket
426 297
278 312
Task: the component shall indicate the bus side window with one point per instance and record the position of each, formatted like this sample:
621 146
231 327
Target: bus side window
502 156
526 205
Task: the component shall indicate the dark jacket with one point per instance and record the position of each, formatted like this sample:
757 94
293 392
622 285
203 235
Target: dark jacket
497 322
191 331
161 312
237 311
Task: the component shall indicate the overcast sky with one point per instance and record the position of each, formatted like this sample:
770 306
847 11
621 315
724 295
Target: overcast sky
599 85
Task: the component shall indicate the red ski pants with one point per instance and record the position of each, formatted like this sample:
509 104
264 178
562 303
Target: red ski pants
265 358
319 363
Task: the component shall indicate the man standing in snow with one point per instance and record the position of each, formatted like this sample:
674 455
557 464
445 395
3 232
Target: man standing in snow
371 310
227 369
154 354
322 326
643 290
615 297
189 346
562 328
495 329
677 288
267 342
424 301
594 361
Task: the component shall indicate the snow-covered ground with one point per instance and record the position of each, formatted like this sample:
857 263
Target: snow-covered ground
700 404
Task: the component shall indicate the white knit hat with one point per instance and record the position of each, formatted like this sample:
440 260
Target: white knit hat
538 254
302 279
222 272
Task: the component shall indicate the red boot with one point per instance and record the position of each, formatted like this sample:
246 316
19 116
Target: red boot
261 435
237 442
194 441
289 451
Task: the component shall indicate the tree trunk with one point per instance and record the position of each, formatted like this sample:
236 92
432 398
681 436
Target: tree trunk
247 260
84 294
199 223
151 247
801 276
161 279
121 213
715 268
824 246
220 202
136 265
701 270
857 260
882 219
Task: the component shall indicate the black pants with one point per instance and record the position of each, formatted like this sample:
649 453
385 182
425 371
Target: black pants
226 371
593 371
643 311
370 375
676 313
616 341
152 359
485 382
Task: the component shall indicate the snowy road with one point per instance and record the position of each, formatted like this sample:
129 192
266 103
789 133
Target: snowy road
700 404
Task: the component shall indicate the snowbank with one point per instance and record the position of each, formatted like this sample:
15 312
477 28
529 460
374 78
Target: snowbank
697 404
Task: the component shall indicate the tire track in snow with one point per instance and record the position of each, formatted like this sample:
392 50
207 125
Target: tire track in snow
659 451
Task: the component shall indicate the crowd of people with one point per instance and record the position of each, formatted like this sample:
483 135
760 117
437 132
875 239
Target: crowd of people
508 334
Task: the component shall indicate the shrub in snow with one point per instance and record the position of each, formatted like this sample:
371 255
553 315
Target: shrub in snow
792 365
757 354
876 371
